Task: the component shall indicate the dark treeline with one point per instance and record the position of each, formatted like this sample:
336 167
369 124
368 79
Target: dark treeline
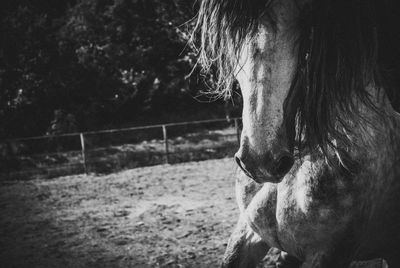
76 65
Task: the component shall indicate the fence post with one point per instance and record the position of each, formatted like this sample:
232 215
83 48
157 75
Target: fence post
165 134
237 131
83 152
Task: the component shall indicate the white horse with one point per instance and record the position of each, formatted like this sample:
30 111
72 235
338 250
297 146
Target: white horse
320 146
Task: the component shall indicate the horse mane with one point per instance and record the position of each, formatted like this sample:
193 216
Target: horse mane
223 26
344 46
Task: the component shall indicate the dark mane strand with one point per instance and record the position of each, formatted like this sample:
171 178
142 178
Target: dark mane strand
344 46
224 25
340 54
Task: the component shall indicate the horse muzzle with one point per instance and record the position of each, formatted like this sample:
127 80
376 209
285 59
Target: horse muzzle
269 169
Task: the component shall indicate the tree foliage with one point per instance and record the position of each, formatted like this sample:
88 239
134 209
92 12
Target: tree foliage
101 62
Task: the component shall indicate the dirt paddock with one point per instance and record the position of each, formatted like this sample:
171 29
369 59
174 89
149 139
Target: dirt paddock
163 216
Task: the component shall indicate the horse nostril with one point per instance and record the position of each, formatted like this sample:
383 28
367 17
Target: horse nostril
243 167
283 165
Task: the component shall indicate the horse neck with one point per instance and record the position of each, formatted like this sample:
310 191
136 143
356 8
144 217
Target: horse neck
378 152
377 136
378 117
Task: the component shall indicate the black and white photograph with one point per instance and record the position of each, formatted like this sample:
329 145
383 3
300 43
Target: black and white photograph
200 133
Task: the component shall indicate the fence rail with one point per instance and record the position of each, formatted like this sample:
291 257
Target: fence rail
115 149
121 129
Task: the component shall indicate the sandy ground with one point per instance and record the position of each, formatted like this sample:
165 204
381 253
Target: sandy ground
164 216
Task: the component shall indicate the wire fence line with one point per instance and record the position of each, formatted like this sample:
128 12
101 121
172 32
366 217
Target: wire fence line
116 149
123 129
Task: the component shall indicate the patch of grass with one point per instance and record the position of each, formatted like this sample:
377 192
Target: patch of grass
207 144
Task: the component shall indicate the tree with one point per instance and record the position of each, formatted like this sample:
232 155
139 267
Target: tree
105 62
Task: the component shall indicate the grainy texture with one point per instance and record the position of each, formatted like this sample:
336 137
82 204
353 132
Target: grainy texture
163 216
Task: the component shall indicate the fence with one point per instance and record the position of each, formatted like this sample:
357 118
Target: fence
112 150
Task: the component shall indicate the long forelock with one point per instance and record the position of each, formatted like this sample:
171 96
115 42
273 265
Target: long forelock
344 46
224 26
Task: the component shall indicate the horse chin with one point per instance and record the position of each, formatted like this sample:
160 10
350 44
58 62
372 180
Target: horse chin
260 179
263 176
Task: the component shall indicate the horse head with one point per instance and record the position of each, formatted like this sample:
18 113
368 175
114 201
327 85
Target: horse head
266 67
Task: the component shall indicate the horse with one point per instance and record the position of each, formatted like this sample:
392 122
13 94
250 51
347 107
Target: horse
319 157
